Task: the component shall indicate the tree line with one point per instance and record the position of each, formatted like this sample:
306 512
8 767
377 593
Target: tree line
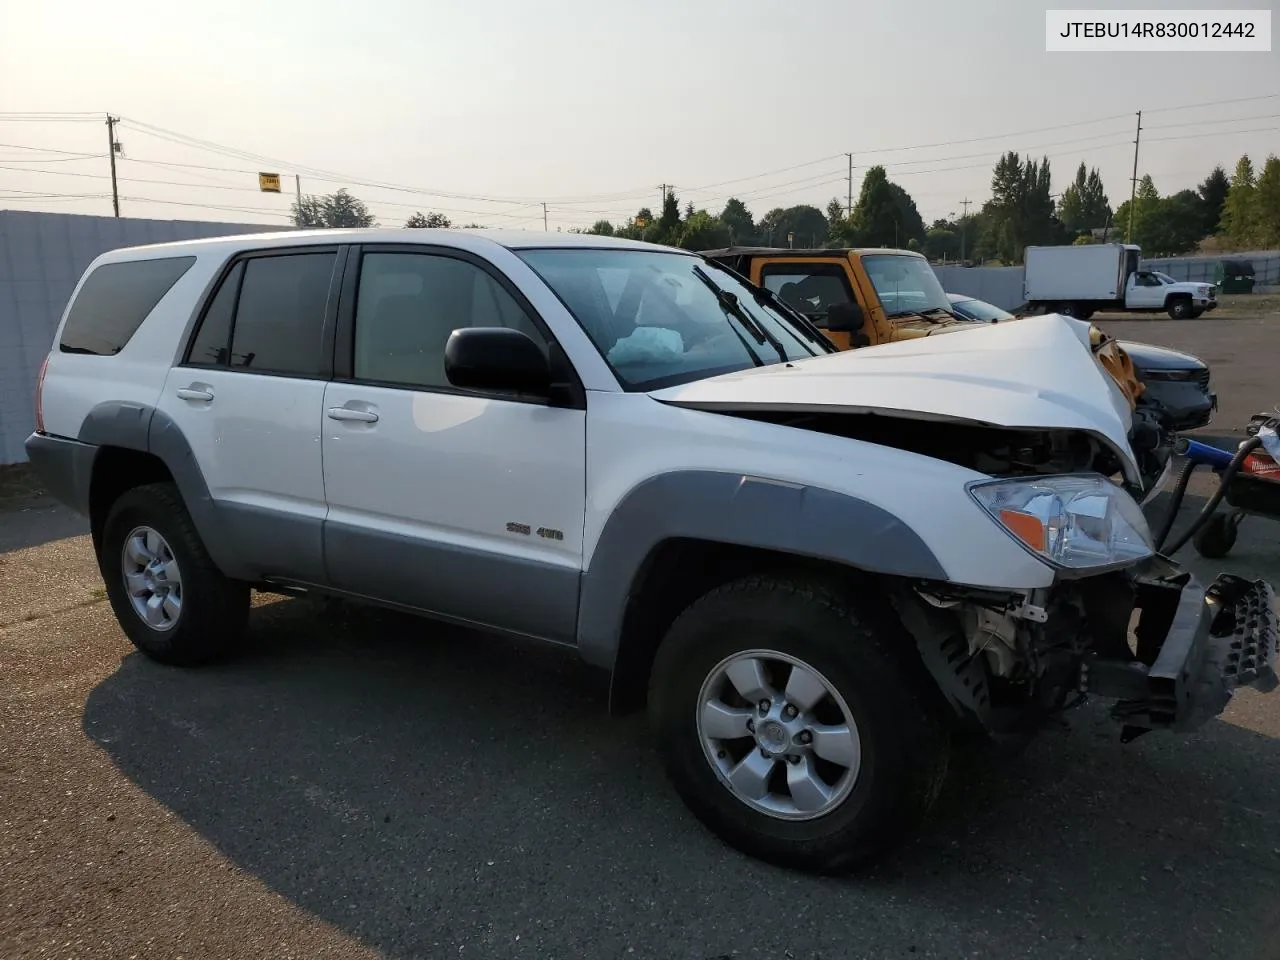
1240 211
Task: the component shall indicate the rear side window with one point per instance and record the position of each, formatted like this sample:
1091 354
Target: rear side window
213 341
114 301
267 316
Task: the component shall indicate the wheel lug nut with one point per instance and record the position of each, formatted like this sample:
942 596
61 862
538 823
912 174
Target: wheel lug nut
805 737
793 759
764 706
751 725
790 712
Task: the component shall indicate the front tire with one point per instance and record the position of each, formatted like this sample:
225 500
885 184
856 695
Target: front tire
794 728
169 597
1180 308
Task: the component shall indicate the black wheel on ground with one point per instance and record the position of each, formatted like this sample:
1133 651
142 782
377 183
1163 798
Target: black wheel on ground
169 597
1216 538
1180 308
793 726
1068 309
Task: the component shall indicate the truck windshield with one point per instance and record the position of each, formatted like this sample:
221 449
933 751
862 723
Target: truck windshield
905 284
657 319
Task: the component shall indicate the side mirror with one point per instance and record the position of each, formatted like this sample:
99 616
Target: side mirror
496 358
844 317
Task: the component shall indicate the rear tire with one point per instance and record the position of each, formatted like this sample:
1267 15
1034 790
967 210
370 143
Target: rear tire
897 747
169 597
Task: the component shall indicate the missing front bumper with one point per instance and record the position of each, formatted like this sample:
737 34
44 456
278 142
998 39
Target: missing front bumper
1195 647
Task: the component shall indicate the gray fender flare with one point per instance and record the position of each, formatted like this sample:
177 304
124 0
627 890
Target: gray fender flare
140 427
735 509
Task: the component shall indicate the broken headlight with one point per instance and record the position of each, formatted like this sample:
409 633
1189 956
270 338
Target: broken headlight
1077 521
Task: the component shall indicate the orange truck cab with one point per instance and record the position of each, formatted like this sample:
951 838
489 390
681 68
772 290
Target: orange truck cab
866 296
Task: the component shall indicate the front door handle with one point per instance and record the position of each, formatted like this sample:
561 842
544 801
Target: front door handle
194 392
350 413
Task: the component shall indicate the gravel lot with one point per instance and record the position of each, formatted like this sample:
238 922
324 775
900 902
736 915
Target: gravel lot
369 785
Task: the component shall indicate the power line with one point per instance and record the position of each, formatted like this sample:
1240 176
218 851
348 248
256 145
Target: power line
1216 103
1211 123
65 153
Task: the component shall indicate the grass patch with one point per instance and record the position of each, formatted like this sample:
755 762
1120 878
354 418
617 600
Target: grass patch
17 483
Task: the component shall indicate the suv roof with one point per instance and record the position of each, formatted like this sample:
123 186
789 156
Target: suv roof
511 239
805 251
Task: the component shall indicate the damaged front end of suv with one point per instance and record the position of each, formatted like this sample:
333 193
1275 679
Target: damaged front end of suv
1050 464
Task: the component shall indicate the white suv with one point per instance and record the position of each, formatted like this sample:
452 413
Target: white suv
816 568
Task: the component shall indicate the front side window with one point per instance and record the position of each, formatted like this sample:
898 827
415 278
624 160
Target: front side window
663 318
409 303
811 288
905 284
114 301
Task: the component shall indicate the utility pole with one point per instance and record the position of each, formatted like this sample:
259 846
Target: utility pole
297 185
964 221
848 207
1133 183
664 188
544 216
112 149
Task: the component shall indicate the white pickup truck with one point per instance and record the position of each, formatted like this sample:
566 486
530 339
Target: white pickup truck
1078 281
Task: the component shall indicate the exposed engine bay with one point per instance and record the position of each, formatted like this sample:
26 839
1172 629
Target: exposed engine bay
996 451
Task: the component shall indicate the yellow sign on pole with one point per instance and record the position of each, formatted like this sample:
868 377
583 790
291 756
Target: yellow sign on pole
269 182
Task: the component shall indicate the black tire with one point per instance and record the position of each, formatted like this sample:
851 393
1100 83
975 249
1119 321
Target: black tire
1216 538
1180 308
904 743
215 610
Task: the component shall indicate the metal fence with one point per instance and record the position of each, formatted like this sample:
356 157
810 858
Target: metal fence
42 256
1002 286
1266 267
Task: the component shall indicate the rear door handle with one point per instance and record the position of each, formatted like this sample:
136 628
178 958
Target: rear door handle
350 413
194 393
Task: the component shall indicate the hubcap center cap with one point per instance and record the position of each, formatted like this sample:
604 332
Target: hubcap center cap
772 736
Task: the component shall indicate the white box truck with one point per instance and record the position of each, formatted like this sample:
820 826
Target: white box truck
1080 280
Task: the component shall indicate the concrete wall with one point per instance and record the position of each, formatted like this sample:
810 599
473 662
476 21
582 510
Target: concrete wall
1001 286
42 256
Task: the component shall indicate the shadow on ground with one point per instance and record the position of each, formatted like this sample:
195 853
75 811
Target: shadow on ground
435 793
33 522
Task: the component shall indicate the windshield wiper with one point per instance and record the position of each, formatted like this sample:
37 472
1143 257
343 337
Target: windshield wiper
923 314
729 303
766 297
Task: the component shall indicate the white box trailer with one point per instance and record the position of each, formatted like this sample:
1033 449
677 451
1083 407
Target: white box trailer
1081 280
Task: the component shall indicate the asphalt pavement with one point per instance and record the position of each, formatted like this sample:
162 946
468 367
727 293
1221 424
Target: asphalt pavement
366 784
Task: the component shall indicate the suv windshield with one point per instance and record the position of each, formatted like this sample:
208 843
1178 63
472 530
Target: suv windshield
905 284
660 318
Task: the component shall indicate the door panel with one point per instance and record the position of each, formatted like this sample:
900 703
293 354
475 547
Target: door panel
257 442
466 506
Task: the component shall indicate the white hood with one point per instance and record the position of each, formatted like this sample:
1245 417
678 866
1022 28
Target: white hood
1036 372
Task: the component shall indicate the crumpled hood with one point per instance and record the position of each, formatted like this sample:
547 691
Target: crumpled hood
1035 373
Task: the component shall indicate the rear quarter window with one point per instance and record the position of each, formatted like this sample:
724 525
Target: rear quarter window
114 301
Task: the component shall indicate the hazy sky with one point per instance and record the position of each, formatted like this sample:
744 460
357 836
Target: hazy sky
591 105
